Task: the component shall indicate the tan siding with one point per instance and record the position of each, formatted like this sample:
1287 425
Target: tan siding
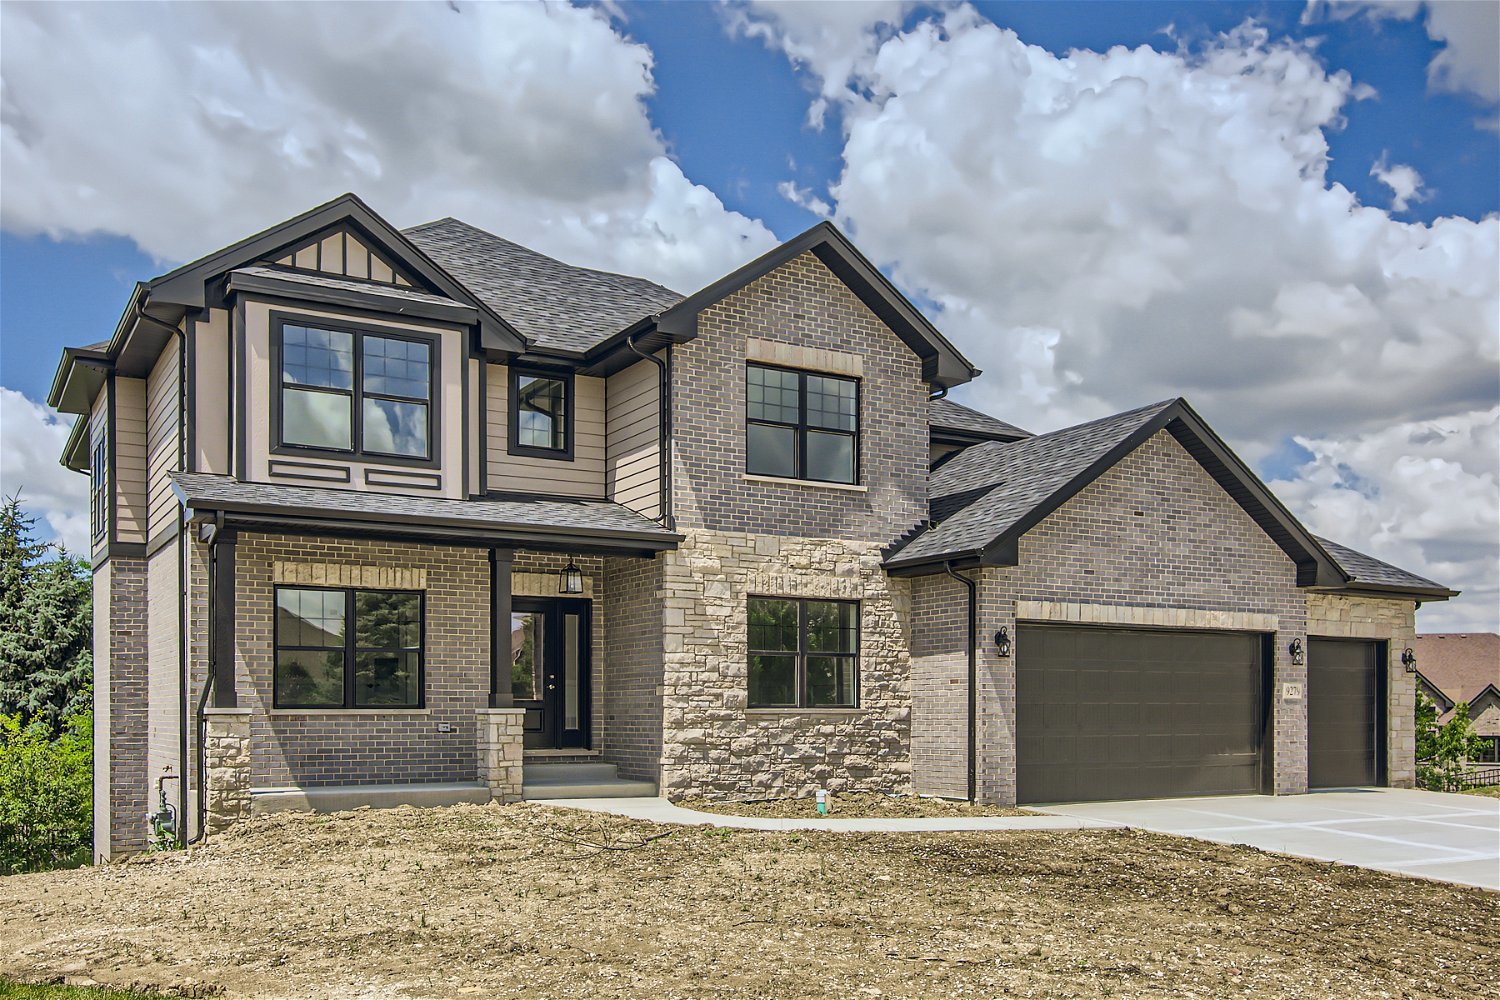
163 413
582 477
633 440
211 395
130 459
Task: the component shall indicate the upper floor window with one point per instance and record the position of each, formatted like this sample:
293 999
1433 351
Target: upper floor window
98 487
800 425
356 391
348 648
541 413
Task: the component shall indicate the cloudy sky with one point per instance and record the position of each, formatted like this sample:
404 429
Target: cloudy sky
1286 213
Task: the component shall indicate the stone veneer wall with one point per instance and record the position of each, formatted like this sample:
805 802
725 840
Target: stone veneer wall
714 745
120 707
1340 616
632 702
1154 532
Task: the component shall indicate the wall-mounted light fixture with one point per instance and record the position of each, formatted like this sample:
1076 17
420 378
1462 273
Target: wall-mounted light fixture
1002 642
570 580
1296 650
1409 660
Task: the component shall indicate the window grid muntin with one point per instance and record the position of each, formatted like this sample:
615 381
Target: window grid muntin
762 410
849 611
564 423
99 487
355 393
349 649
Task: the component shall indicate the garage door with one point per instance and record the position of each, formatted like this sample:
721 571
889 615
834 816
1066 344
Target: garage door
1344 717
1119 714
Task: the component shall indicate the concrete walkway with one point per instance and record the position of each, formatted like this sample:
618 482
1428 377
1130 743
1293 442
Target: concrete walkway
1452 838
659 810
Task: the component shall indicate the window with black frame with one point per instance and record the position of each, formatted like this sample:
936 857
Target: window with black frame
356 392
540 413
98 487
803 653
323 662
801 425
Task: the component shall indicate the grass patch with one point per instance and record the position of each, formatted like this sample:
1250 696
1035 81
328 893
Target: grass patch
10 990
1491 791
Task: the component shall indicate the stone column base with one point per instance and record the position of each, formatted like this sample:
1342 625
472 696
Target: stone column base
498 742
226 773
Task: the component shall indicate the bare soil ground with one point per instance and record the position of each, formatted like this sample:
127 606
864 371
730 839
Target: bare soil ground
854 805
536 901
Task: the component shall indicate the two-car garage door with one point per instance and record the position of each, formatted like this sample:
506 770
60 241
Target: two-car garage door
1106 713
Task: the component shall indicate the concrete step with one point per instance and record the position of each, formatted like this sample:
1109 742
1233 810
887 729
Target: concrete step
549 773
620 788
341 798
580 781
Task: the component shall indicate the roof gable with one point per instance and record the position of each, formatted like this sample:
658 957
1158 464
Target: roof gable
985 498
942 364
341 252
1460 665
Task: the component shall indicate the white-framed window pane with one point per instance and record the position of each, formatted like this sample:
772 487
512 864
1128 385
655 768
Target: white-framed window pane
316 419
395 428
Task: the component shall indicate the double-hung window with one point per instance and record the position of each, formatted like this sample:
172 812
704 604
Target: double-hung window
541 414
355 391
803 653
348 648
99 487
800 425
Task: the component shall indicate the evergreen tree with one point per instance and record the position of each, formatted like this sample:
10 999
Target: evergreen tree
46 624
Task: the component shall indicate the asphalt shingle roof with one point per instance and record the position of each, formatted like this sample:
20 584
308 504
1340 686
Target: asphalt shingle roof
552 304
985 490
1368 569
945 413
594 517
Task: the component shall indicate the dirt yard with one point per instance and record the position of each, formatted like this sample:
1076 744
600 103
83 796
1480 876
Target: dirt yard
501 901
854 805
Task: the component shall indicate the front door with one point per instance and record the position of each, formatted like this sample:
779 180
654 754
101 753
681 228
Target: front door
549 677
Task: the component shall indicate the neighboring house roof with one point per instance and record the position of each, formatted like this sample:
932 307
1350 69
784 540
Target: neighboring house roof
986 497
556 306
964 424
1461 665
1368 573
569 525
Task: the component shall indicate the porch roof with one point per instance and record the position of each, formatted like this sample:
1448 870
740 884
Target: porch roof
596 526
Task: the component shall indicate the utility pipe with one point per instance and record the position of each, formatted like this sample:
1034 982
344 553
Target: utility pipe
664 426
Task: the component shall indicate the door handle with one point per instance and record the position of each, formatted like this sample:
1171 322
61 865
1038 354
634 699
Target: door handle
551 687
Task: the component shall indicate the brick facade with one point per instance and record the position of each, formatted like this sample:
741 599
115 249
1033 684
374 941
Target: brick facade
121 721
631 707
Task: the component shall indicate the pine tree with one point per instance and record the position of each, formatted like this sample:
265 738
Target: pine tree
46 624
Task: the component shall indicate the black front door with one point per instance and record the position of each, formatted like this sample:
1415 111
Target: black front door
550 674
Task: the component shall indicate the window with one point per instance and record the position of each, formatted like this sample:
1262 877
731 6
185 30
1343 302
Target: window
99 486
1491 752
801 426
541 414
321 662
350 391
803 653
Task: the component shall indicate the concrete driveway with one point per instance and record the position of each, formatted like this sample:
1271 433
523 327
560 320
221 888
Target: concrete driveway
1453 838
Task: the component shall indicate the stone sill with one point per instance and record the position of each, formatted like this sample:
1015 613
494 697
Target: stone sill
345 712
805 711
816 484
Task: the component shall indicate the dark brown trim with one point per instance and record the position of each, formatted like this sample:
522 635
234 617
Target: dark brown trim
381 303
279 319
222 618
501 654
164 537
410 480
283 469
484 426
239 398
513 407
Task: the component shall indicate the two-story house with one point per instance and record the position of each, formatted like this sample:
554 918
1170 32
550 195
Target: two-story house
425 516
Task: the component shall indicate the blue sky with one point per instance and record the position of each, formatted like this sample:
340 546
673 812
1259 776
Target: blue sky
669 142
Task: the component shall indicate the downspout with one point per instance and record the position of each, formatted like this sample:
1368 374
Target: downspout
973 629
211 535
664 438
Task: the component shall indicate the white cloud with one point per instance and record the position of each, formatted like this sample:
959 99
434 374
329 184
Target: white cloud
1403 180
216 120
1101 230
803 197
34 437
1469 61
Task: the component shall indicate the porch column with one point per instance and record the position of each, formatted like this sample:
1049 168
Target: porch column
501 655
221 650
226 767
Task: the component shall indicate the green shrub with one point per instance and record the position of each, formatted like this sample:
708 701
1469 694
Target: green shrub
46 793
1443 752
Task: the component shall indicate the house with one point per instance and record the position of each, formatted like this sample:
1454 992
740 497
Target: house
422 515
1455 667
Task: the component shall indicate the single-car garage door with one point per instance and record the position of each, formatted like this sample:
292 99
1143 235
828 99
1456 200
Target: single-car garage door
1106 713
1344 713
